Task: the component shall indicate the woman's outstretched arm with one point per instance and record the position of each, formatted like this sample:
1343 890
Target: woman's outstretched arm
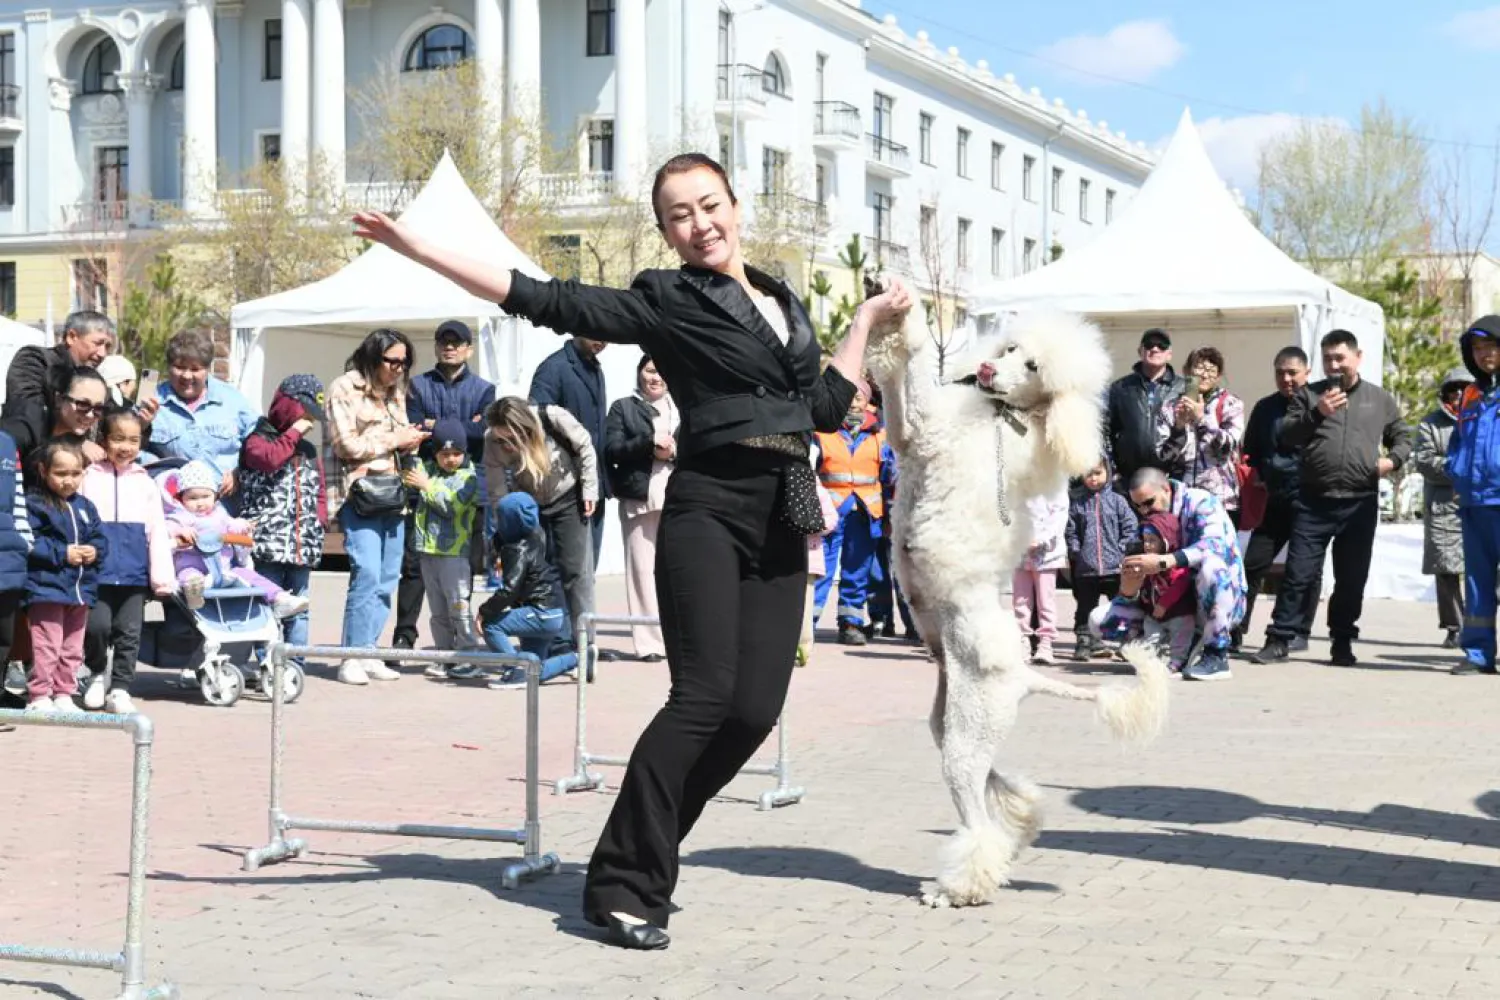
478 278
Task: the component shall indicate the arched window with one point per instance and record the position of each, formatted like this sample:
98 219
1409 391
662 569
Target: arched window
101 69
439 47
174 75
775 76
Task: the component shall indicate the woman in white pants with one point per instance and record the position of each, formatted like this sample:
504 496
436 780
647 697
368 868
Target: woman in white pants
640 449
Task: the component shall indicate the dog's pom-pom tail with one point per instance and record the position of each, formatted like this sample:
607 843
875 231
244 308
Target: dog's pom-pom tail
1137 713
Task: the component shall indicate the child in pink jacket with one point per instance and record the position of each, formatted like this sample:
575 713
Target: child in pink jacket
138 562
1034 585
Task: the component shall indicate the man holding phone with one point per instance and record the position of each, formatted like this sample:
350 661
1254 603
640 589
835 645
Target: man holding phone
1341 424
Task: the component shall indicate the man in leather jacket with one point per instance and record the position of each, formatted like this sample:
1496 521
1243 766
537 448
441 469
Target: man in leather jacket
1134 403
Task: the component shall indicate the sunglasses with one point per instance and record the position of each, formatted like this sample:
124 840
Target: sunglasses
397 363
86 408
448 343
1155 345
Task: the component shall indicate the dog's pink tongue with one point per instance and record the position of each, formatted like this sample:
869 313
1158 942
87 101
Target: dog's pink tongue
986 374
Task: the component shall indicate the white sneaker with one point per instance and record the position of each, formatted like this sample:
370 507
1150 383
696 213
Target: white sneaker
353 672
118 703
93 696
288 605
65 706
41 706
192 590
378 671
437 671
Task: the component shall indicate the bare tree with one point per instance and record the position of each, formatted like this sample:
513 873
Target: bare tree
1346 201
942 275
1461 216
787 229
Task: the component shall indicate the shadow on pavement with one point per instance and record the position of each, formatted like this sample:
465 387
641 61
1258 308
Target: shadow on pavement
51 989
822 865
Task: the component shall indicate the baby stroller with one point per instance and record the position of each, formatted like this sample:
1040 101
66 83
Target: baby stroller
219 645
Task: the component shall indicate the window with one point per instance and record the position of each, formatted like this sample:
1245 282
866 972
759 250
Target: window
565 257
1083 200
601 146
772 171
927 232
1028 178
820 185
111 173
1057 185
964 225
270 147
600 31
1028 255
8 288
960 317
726 21
997 165
822 74
726 151
775 81
91 285
1109 206
439 47
176 74
924 139
7 176
881 204
101 69
997 252
8 59
885 113
963 152
270 55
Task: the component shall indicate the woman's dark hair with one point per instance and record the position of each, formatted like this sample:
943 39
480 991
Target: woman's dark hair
369 356
117 415
641 365
685 163
80 373
42 458
1210 354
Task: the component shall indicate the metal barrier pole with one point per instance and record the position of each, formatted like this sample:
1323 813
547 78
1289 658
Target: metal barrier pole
130 961
582 779
533 862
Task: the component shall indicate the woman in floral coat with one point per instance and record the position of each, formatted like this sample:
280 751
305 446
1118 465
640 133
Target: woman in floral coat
1203 438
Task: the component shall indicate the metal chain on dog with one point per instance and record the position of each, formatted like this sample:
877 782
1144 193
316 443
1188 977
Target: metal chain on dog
1002 504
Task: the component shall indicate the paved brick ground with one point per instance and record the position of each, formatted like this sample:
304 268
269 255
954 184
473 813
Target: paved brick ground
1300 832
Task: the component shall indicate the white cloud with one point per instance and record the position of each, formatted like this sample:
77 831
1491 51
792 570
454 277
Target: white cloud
1132 52
1475 29
1234 144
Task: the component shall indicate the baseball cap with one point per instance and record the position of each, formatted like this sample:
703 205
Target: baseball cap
1156 337
449 433
307 390
454 330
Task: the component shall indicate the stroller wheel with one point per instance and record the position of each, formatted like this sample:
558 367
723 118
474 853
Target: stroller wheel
294 679
221 683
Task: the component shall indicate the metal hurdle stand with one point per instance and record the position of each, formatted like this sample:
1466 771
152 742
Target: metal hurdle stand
582 779
533 863
130 962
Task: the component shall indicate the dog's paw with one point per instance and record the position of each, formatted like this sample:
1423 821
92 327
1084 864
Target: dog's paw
937 899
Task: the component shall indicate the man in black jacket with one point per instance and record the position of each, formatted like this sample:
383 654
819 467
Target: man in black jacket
573 379
1278 470
35 373
1134 402
1340 423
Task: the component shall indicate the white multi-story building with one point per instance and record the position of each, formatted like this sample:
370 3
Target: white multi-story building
107 111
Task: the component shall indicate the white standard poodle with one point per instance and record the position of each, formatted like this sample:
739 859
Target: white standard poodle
970 452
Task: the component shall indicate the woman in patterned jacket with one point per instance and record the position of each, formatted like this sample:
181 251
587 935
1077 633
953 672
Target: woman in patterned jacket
1202 437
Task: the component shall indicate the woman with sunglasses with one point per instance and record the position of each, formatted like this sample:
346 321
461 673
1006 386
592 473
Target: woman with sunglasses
77 408
369 432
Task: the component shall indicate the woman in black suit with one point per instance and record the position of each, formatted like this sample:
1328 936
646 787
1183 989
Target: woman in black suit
739 354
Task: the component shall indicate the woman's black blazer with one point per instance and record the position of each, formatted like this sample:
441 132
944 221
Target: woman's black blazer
729 374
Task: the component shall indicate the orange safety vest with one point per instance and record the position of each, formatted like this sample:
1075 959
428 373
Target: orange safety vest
843 471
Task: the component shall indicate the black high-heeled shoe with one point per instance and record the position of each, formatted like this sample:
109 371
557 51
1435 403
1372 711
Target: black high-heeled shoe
636 937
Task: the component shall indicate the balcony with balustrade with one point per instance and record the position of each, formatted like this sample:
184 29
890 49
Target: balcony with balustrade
885 158
887 255
741 92
587 189
792 212
836 125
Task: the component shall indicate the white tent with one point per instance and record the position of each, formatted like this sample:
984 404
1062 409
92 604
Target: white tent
13 337
314 328
1184 256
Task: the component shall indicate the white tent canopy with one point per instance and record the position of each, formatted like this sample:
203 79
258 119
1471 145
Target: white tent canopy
316 327
1184 256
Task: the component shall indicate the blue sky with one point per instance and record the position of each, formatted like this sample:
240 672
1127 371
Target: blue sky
1247 71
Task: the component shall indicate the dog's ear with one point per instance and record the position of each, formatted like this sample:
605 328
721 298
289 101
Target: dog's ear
1074 432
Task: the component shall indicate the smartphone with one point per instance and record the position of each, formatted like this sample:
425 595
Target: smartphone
1192 388
145 388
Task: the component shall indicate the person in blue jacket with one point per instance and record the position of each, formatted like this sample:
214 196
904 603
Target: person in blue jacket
15 548
63 578
1474 468
573 379
450 390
